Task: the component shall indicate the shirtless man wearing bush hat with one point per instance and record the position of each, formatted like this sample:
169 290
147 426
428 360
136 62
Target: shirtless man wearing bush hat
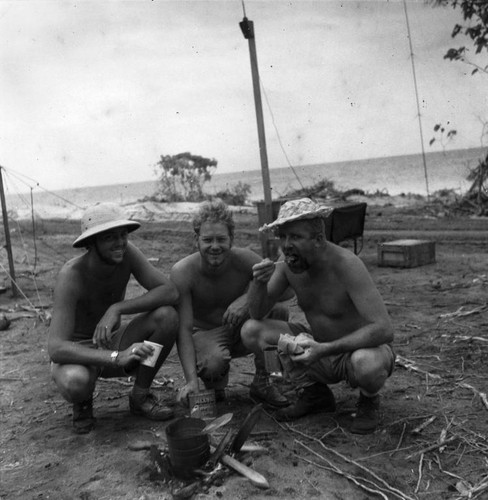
349 332
87 338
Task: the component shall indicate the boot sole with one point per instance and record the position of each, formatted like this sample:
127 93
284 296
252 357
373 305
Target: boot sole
289 418
267 402
140 413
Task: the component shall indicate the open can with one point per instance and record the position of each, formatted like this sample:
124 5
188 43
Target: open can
203 404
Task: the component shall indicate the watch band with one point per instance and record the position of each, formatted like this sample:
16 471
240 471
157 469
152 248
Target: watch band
114 356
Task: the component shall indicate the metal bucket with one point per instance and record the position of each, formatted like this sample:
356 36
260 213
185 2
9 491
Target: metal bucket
203 404
188 448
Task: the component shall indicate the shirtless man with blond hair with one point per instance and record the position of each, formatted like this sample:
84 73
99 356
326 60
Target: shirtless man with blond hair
87 339
349 329
212 284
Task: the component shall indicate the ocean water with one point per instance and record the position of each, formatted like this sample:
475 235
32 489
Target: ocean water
392 175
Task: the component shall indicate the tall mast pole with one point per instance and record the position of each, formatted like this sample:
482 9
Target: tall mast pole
8 245
247 28
417 100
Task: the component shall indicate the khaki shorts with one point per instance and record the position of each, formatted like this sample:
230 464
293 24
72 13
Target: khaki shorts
105 371
338 367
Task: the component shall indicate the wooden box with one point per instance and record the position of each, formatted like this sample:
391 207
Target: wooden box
406 253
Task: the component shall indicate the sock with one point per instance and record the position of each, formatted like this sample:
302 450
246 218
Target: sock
260 379
139 393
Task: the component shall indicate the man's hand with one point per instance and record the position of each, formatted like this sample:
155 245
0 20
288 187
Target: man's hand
185 391
262 271
312 352
109 322
137 352
236 313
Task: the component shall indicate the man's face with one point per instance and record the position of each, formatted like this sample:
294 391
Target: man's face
298 245
214 243
111 245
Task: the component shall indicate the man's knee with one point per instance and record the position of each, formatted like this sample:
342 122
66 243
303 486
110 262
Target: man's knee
165 319
258 334
75 382
370 368
251 331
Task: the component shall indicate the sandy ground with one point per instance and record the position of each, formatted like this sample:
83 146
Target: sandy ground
440 317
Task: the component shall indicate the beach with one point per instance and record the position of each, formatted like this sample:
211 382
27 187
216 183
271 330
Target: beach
394 180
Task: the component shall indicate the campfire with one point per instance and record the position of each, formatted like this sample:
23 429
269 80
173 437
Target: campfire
193 459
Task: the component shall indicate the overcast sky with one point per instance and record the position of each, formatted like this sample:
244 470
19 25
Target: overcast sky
93 92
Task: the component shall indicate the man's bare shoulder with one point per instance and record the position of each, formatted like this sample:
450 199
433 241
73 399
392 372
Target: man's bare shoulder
345 261
186 268
335 251
73 268
70 276
187 263
133 253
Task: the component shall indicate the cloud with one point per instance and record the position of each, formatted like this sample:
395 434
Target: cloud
96 91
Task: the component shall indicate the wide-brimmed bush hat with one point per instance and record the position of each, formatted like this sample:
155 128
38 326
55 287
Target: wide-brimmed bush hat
100 218
293 210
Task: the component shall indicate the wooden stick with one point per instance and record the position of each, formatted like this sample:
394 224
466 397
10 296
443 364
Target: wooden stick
482 395
410 365
379 492
432 447
357 464
421 461
336 470
423 425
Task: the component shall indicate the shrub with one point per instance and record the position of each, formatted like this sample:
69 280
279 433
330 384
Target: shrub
237 195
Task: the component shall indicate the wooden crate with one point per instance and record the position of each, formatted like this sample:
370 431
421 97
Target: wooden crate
406 253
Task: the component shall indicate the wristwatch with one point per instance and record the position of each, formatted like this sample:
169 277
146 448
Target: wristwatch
114 356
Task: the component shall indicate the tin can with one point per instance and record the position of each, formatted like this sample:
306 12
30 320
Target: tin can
203 404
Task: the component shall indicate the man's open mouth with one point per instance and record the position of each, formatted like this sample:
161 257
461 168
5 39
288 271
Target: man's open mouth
291 259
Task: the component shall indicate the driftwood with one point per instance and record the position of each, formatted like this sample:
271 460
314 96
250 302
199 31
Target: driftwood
461 312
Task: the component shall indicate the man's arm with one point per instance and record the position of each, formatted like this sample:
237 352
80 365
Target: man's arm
61 348
160 292
238 310
180 275
268 285
367 300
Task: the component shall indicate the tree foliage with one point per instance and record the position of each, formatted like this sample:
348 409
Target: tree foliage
475 27
477 193
235 195
441 135
182 176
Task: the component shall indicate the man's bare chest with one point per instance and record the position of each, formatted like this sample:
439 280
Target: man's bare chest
329 296
219 292
103 292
